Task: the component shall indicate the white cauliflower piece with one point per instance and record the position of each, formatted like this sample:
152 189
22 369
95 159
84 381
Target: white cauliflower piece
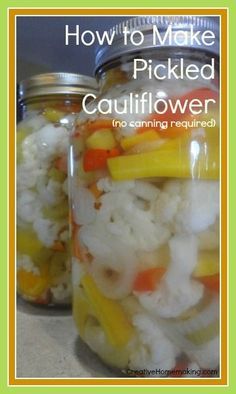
61 293
121 222
168 302
121 217
46 230
30 150
108 185
166 207
33 121
141 189
145 190
84 206
77 272
176 292
114 265
44 144
51 141
199 207
50 192
24 262
188 206
134 225
28 206
153 350
98 241
184 253
116 232
27 174
115 277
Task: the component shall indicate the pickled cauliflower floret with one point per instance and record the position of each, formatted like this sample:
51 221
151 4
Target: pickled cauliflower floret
177 291
108 185
33 121
28 206
50 140
84 208
46 230
40 147
153 349
188 206
115 276
24 262
50 192
132 222
27 175
61 292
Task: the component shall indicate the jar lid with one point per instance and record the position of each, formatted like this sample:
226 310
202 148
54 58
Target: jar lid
56 83
169 25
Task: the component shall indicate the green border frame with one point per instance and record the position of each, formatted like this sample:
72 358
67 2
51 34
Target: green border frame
231 4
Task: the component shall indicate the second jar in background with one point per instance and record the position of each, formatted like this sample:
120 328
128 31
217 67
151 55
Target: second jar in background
49 103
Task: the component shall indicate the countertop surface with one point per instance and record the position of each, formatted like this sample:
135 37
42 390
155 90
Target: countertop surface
48 346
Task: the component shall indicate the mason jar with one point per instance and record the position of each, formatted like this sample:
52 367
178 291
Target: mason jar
144 187
49 104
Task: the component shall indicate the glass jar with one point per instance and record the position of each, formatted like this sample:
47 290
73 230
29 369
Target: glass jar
49 104
145 208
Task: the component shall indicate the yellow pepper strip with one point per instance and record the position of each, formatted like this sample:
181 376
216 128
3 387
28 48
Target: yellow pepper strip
129 142
208 264
53 115
101 139
81 311
28 243
191 156
86 321
30 284
109 313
